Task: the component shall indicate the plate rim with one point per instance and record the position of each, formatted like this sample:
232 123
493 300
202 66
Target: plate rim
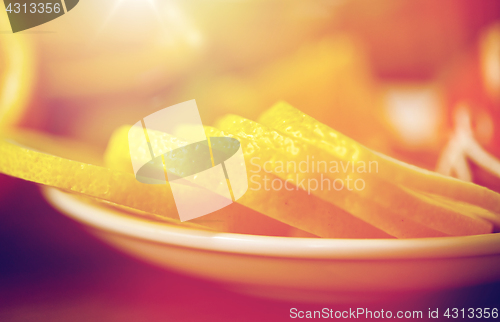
110 220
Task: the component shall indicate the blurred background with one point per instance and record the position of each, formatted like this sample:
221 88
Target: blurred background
387 73
402 77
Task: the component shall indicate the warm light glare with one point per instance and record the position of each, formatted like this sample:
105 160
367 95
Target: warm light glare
414 113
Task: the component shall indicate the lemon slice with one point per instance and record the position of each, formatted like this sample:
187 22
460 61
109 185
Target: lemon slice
113 186
395 209
288 120
121 188
293 208
275 149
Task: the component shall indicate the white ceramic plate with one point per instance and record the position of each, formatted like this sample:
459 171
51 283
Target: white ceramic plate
310 269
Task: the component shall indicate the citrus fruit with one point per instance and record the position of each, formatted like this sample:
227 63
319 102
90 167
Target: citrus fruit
390 207
292 207
289 121
285 150
239 217
121 188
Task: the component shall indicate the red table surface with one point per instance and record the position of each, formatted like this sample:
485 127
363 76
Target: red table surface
51 269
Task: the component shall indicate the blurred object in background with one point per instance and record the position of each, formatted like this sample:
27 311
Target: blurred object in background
104 64
329 78
17 74
488 122
243 35
114 47
413 40
473 80
414 112
345 62
17 80
490 62
464 148
414 115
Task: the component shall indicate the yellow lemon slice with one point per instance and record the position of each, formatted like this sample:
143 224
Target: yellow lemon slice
121 188
288 120
293 207
240 217
395 209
